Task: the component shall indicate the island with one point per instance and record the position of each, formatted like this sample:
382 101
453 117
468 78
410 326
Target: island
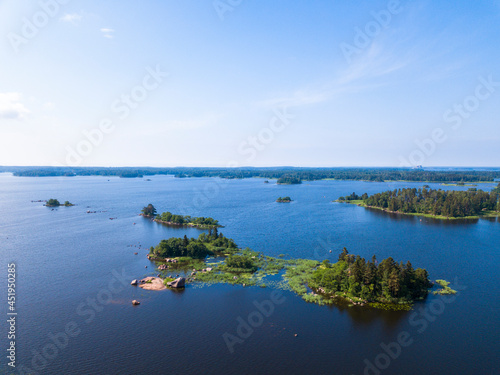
213 258
55 203
284 200
289 180
439 204
168 218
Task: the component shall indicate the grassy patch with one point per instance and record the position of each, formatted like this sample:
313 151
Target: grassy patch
299 273
167 280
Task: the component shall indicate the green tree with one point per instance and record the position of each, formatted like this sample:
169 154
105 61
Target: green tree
149 210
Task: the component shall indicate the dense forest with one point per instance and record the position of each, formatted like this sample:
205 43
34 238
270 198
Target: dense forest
497 189
387 281
450 203
168 217
286 174
204 245
289 180
353 197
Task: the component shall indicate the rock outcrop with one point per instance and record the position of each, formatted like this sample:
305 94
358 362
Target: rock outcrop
180 282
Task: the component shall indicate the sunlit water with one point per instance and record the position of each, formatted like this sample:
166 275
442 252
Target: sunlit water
65 257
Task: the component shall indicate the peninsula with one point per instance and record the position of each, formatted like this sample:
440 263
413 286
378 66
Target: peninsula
439 204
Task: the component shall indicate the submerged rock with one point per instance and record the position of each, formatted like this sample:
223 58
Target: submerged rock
135 302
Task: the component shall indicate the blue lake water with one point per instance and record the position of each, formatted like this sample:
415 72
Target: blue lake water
67 261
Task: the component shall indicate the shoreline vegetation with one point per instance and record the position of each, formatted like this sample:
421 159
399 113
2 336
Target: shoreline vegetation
284 175
437 204
213 258
168 218
284 200
445 289
55 203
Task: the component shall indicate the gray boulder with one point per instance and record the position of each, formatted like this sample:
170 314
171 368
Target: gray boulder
180 282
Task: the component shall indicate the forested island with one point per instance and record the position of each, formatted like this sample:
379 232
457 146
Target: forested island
289 180
440 204
284 200
288 175
173 219
203 246
213 258
55 203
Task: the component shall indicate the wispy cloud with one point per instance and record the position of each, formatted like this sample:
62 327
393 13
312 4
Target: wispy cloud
11 106
378 61
396 50
74 18
108 33
297 98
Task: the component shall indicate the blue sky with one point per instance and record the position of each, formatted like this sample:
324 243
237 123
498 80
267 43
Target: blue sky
263 83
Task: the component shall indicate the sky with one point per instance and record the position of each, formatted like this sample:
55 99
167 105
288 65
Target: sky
230 83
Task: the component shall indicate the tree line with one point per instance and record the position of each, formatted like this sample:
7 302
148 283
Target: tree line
287 174
199 248
180 219
387 281
449 203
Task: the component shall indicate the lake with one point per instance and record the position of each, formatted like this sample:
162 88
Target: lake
74 269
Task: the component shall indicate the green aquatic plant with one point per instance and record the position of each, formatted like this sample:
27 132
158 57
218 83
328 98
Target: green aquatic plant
445 288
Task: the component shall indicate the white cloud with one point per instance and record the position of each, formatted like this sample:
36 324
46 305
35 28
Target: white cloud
11 106
71 17
108 33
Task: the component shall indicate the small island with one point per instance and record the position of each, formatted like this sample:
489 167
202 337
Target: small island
168 218
55 203
438 204
284 200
